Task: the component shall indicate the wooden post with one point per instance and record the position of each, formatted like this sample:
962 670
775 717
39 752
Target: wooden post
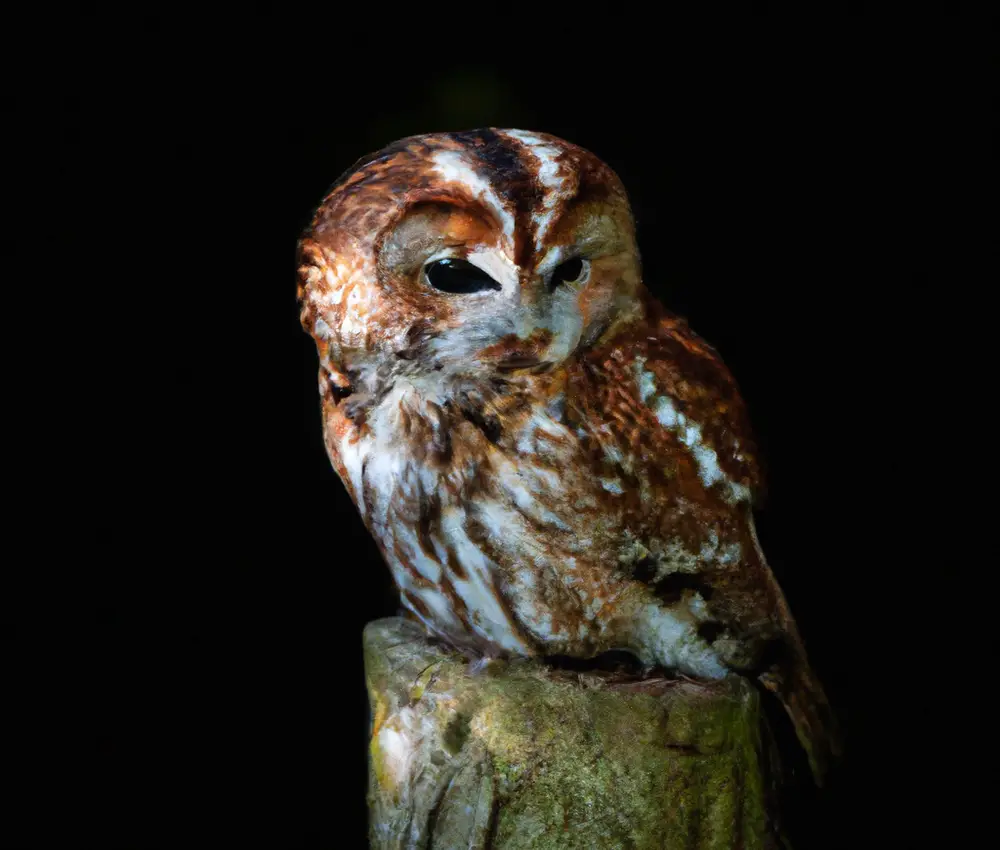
519 755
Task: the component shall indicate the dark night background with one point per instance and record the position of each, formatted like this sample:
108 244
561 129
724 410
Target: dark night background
792 186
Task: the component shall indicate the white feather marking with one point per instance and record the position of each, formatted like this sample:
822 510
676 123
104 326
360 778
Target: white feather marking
697 606
427 567
541 421
667 414
542 480
689 433
557 187
514 487
441 608
508 530
453 166
550 259
498 266
477 591
353 456
647 382
731 553
673 641
612 485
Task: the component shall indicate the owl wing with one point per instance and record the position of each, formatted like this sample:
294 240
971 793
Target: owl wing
673 423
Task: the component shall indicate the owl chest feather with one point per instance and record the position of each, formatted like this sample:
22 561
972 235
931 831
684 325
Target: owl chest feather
525 532
475 518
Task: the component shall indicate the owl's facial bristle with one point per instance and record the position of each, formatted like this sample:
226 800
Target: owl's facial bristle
456 168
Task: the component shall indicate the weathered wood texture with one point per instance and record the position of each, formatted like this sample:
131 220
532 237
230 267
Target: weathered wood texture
518 755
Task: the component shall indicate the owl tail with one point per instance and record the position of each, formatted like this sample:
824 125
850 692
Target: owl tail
792 681
784 671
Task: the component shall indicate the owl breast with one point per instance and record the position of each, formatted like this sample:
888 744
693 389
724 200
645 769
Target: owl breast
473 513
514 521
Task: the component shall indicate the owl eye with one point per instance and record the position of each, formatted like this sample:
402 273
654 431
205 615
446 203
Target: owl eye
572 271
459 277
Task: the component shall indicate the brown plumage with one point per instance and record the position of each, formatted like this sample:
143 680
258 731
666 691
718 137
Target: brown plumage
550 463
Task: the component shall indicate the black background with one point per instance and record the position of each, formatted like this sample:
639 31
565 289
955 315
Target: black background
794 189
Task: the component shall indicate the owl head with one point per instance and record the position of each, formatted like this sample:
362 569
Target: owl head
463 255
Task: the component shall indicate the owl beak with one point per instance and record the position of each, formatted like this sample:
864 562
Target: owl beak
531 292
515 353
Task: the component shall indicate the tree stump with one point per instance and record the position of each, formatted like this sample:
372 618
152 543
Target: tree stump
515 754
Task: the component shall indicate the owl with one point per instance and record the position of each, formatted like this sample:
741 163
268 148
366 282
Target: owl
549 461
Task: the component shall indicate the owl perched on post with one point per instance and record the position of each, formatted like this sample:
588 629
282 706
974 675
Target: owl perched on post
550 463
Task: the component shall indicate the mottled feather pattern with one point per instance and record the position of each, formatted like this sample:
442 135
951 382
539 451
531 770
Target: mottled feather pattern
555 465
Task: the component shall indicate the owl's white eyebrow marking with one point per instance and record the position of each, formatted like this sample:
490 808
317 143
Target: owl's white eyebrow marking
557 187
454 167
497 265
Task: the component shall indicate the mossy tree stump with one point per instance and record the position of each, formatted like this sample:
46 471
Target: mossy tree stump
519 755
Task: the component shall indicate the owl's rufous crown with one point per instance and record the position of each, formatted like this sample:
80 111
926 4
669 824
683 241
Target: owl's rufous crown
526 181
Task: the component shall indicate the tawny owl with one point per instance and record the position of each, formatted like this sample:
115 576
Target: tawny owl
550 463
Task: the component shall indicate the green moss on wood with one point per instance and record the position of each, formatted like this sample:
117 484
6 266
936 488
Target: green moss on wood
520 756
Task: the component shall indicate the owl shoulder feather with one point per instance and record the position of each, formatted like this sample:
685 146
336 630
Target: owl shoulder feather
660 380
